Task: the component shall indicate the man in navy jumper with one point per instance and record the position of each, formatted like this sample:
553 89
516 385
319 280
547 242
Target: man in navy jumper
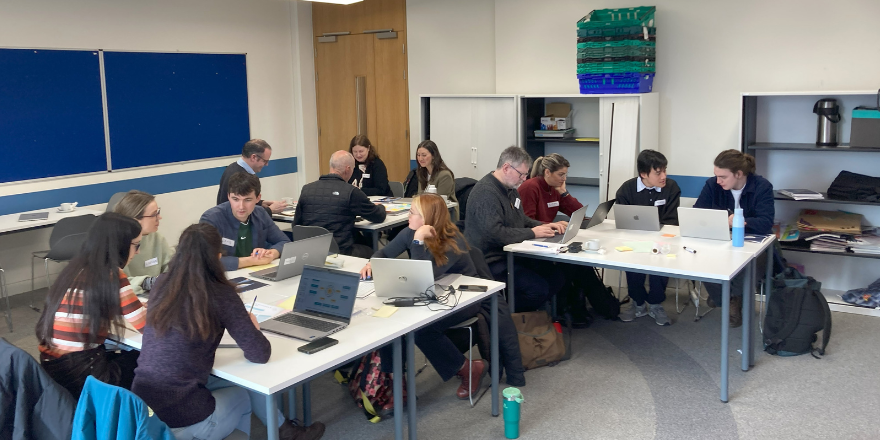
650 188
250 237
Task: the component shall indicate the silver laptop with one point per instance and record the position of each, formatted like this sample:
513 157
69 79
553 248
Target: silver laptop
600 215
323 306
704 223
571 231
295 255
641 218
395 277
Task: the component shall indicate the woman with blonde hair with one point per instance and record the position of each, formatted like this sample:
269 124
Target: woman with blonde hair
155 254
432 236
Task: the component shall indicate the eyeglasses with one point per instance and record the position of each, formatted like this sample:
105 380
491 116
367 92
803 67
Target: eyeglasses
411 212
521 175
261 158
158 211
137 246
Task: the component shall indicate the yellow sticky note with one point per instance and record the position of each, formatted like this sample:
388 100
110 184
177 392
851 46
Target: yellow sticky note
385 311
287 304
264 266
623 248
671 256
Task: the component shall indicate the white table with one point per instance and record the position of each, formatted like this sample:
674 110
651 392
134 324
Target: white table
288 367
715 261
9 224
375 229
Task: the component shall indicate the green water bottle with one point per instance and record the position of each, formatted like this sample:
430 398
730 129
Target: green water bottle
512 400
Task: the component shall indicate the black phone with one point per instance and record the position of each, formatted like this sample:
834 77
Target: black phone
317 345
472 288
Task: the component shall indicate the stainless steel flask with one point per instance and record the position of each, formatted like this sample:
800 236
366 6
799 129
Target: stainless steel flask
827 126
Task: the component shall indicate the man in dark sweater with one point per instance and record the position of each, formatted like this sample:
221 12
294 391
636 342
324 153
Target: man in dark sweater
333 203
495 218
254 156
651 188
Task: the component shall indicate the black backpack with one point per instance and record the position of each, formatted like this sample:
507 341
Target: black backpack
601 297
796 311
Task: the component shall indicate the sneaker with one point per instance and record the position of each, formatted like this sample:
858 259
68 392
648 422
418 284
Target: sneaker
633 311
657 312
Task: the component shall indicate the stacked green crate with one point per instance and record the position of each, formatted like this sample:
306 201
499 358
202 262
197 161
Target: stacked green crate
617 50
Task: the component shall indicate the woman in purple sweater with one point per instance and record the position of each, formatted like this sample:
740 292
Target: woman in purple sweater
190 307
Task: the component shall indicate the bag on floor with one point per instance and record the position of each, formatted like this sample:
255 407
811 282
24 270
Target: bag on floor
865 297
797 310
601 297
539 341
372 389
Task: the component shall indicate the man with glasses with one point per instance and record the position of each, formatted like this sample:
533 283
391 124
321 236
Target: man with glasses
254 156
495 218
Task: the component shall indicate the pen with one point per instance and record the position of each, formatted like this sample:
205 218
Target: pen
540 245
252 305
693 251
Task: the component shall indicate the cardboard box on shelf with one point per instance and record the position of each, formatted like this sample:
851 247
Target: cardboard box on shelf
557 116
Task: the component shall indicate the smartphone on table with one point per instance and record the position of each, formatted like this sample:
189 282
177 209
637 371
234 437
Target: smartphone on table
317 345
472 288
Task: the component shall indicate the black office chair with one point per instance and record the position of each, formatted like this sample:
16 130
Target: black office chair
114 200
64 243
302 232
396 189
4 294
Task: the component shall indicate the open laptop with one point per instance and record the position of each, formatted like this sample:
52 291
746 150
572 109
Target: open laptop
571 231
600 215
394 277
295 255
641 218
323 306
704 223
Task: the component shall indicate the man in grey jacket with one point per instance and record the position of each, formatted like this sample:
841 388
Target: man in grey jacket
250 237
495 218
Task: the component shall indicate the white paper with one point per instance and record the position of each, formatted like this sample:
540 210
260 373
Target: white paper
516 204
228 242
552 204
366 176
539 247
660 202
151 262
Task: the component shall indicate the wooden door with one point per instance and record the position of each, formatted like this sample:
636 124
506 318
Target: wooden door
392 104
337 66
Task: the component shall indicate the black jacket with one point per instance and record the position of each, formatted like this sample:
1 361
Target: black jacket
455 263
495 218
32 405
411 184
377 182
333 204
756 201
669 196
223 192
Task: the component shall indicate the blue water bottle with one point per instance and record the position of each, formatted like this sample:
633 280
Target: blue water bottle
739 228
512 400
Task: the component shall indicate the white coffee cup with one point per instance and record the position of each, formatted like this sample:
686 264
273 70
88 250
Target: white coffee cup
66 207
287 200
593 244
431 189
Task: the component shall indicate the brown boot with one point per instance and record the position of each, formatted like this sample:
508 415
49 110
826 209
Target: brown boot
736 311
289 431
470 387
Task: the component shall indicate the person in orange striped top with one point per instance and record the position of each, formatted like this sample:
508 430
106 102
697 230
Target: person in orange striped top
91 299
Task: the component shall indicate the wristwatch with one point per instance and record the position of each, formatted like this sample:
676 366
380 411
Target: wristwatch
563 195
420 242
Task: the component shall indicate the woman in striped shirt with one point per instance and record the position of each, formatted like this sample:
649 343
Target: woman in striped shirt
90 300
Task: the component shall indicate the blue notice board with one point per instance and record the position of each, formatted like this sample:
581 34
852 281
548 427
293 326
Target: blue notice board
174 107
51 115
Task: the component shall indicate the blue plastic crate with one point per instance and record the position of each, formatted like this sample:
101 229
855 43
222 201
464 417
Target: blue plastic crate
632 82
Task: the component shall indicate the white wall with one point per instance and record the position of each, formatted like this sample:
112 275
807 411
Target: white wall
708 52
451 50
276 35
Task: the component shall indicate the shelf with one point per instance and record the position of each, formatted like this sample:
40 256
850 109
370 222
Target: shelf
583 181
809 147
804 246
778 196
567 141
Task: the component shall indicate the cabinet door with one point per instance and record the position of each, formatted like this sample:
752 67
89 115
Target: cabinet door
471 132
618 143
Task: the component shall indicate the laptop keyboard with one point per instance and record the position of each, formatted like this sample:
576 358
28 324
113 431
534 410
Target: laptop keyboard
306 322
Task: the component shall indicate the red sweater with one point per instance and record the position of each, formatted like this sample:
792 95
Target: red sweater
537 196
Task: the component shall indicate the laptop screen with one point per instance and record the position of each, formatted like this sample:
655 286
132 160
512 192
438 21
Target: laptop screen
327 291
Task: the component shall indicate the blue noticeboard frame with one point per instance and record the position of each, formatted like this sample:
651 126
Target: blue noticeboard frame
175 107
51 114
